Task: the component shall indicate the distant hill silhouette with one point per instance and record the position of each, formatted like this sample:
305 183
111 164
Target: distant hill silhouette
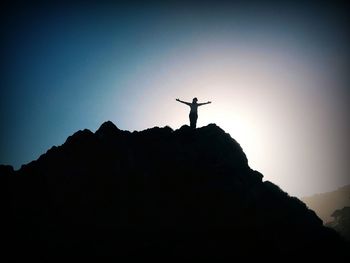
324 204
158 193
333 208
341 222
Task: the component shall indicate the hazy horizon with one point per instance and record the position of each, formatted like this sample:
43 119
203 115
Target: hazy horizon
275 72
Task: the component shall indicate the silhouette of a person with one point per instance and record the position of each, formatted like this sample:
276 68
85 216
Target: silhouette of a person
194 110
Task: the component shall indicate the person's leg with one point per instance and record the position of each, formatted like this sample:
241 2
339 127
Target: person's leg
193 120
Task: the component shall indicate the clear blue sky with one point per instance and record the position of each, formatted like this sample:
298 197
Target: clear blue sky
276 74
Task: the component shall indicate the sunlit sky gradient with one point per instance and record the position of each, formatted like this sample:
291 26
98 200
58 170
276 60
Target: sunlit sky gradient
276 74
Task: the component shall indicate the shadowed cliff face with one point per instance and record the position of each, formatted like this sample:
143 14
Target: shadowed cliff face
174 194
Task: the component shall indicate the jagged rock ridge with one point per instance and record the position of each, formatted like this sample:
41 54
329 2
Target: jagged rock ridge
158 192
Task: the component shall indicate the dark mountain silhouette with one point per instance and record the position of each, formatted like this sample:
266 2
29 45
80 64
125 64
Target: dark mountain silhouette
157 193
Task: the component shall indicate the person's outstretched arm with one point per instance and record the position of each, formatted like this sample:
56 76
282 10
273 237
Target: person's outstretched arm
200 104
184 102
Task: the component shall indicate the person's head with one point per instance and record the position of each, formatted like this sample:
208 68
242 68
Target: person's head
194 100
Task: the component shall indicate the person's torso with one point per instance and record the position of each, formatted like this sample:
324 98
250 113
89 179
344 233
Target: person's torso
194 108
